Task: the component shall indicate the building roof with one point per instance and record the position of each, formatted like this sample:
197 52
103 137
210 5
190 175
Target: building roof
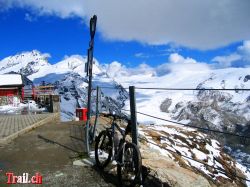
11 80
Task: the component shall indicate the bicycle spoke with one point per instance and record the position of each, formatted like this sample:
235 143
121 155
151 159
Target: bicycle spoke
103 149
129 171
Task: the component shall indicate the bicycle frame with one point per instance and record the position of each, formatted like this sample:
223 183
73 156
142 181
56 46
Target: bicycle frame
125 153
116 153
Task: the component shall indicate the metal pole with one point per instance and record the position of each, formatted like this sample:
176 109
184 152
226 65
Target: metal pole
28 106
134 119
96 111
89 72
133 114
88 107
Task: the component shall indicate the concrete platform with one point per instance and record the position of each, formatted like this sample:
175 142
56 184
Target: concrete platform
51 150
12 126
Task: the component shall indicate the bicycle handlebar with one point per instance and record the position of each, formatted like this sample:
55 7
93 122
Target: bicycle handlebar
115 117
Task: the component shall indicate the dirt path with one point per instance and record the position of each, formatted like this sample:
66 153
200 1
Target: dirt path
49 150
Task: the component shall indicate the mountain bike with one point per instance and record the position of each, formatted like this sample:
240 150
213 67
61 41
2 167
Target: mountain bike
126 154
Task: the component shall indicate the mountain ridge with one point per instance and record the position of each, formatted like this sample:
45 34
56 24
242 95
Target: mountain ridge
70 82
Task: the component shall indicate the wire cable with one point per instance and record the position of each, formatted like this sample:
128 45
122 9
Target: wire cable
181 89
194 89
112 88
192 126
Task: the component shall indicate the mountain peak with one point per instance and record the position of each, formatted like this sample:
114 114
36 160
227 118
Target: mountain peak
76 63
26 63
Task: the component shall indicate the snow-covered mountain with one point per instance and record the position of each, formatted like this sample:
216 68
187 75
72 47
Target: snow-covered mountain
220 110
26 63
209 108
186 106
69 78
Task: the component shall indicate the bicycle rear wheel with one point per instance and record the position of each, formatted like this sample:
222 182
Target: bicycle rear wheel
103 149
129 165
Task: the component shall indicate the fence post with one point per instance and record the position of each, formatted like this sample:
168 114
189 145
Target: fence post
28 106
98 90
133 114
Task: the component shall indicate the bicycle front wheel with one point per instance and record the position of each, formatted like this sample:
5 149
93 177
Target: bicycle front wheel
103 149
129 165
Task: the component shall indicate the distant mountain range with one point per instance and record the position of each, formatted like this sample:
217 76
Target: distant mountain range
222 110
213 109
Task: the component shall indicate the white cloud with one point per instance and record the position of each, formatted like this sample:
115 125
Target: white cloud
226 61
142 55
178 64
176 58
144 69
244 50
240 57
116 69
202 24
63 9
173 48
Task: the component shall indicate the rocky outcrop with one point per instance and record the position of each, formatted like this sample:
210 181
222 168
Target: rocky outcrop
182 156
247 78
165 105
169 172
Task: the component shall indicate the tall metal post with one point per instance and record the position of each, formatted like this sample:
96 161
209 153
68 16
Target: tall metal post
89 73
134 119
98 94
133 114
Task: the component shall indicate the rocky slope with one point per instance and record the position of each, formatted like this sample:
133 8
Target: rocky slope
174 155
199 160
226 111
220 110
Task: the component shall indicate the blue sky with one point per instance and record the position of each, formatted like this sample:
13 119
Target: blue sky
27 27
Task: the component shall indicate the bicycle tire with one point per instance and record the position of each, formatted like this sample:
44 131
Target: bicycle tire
136 164
107 149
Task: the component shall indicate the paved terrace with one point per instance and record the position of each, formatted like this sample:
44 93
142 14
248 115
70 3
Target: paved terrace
12 126
55 150
51 150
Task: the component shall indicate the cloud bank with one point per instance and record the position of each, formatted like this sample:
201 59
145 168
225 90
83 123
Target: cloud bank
241 57
205 24
175 64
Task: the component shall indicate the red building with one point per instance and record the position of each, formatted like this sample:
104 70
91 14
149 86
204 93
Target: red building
15 85
11 85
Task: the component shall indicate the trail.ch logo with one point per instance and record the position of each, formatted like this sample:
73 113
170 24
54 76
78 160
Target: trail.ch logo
25 178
